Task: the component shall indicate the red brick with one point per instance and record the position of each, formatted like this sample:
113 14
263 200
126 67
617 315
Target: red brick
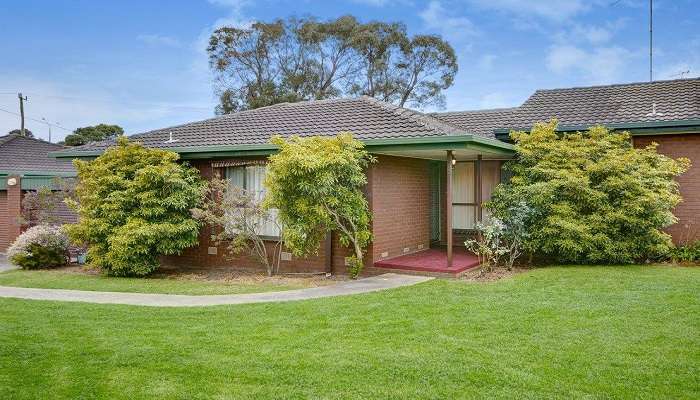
688 212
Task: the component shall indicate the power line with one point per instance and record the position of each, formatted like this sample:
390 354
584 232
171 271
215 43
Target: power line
37 120
112 101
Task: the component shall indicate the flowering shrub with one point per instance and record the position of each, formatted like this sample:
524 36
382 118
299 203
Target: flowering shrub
489 244
41 246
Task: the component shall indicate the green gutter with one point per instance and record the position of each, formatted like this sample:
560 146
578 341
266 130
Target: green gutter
39 173
395 144
635 128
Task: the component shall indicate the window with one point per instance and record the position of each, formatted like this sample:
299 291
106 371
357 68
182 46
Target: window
463 196
251 178
465 206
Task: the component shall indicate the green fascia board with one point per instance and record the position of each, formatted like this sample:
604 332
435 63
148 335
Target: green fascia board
635 128
38 173
394 144
3 182
37 182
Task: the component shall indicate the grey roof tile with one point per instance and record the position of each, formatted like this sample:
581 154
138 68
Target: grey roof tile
22 154
622 103
480 122
368 118
364 117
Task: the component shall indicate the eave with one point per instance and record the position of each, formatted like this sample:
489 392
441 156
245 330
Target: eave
641 128
454 142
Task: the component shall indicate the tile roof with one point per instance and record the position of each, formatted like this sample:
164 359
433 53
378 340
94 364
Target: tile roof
368 118
23 154
480 122
364 117
623 103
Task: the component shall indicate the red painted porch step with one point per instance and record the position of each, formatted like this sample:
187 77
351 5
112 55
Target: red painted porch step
432 260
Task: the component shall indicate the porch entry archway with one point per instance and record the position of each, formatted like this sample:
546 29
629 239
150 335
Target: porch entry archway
456 207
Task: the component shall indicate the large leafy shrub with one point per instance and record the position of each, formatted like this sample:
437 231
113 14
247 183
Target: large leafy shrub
134 205
41 246
316 184
594 198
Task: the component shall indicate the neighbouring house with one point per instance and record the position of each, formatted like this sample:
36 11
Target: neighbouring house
25 165
434 171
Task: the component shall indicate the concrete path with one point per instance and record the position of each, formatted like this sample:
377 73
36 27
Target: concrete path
365 285
5 264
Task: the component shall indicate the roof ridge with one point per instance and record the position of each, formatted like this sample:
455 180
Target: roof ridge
418 117
17 136
8 138
483 110
619 84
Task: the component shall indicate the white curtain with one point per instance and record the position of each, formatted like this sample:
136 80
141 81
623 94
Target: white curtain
251 178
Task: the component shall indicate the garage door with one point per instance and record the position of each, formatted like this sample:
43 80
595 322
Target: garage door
4 222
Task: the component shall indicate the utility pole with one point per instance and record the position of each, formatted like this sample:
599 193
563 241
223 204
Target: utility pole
49 125
21 111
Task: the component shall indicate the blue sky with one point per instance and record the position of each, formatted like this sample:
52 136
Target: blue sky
142 64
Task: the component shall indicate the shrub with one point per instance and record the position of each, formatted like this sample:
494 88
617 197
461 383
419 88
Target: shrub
316 184
594 197
489 245
41 246
134 206
688 252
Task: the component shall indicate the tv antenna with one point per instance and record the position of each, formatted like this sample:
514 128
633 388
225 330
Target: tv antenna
651 40
681 74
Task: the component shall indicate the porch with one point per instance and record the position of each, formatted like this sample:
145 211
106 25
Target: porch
433 260
436 202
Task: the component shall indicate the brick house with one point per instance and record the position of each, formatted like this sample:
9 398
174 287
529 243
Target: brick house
434 171
25 165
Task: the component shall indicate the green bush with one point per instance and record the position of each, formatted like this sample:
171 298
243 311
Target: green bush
134 205
689 252
594 197
316 184
41 246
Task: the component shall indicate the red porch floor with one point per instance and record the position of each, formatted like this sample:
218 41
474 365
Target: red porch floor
432 260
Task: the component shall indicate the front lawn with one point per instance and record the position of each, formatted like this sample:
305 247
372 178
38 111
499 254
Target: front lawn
566 332
173 284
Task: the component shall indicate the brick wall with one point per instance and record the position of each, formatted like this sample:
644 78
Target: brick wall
398 195
208 256
400 202
688 212
9 215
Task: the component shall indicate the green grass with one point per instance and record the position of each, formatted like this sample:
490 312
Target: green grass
567 332
48 279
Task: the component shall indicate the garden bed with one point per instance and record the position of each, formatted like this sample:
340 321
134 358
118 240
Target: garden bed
167 282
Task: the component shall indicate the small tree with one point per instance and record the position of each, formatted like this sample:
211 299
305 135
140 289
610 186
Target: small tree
40 206
134 205
516 219
316 184
236 218
594 197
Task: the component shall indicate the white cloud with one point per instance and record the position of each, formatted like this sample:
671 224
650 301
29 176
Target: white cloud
495 100
599 65
486 62
557 10
159 40
374 3
437 18
74 104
